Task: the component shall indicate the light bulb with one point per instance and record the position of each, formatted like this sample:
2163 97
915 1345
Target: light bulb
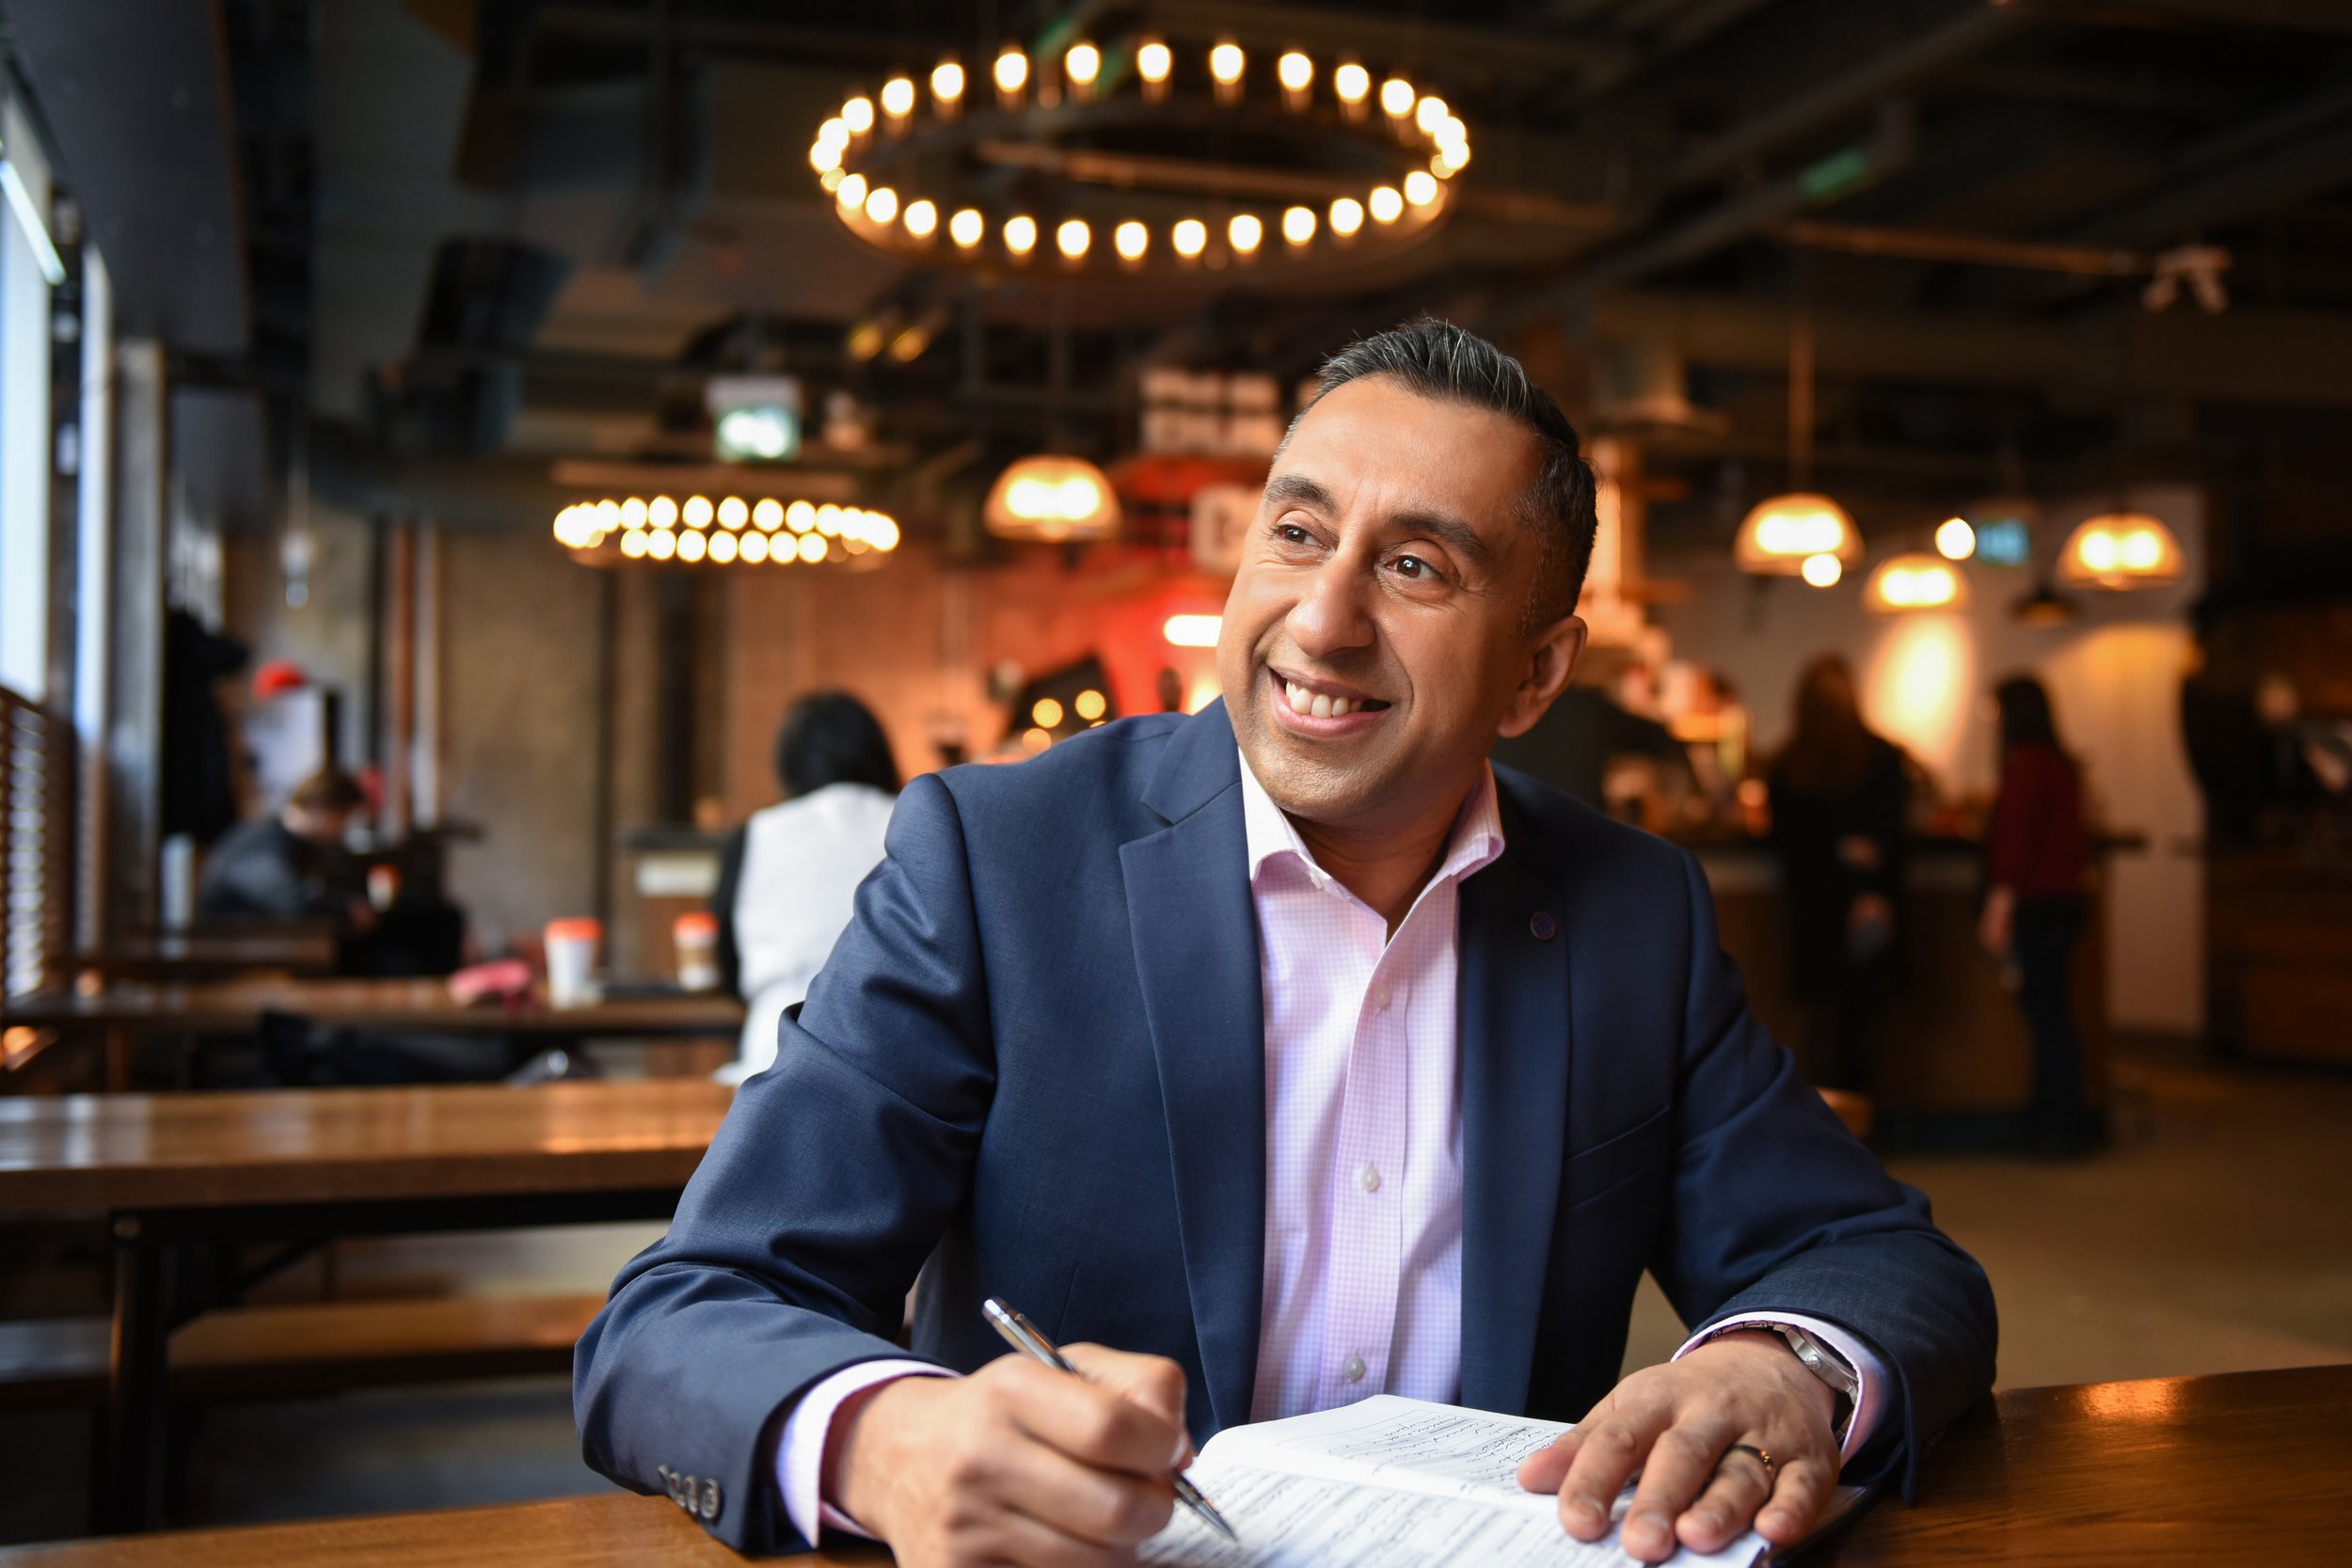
948 81
733 512
922 218
662 512
1955 540
1295 71
1012 72
1154 61
1225 63
697 511
1298 225
1191 237
1347 215
828 519
897 97
723 548
850 193
662 544
692 546
1245 232
1073 238
1386 206
824 156
966 227
1352 81
1452 131
858 114
1090 704
1082 63
812 547
634 544
1130 238
1452 157
768 515
1021 234
1420 187
1396 98
882 204
1430 113
754 547
800 517
633 512
1822 571
884 533
833 132
1046 713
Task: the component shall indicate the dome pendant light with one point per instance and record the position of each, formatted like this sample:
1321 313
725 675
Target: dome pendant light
1052 500
1788 536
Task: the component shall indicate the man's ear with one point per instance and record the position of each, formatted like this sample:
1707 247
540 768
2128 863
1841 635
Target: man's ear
1550 665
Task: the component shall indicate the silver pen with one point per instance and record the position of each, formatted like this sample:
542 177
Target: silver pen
1023 1336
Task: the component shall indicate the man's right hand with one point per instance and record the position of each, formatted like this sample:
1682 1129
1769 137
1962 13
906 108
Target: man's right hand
1016 1464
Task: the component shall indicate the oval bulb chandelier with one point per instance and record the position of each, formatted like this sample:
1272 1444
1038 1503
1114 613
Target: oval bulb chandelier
1914 581
728 532
1108 147
2119 552
1053 501
1781 535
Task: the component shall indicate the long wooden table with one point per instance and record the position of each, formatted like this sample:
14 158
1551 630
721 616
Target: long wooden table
174 1172
126 1012
2245 1467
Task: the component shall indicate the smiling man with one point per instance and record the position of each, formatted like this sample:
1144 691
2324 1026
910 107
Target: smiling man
1300 1054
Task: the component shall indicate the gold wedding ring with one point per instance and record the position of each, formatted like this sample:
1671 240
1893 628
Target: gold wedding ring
1772 1471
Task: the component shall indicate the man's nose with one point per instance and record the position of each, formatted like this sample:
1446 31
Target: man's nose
1333 614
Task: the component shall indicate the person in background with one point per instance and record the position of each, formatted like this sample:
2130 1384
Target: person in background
292 865
1838 794
786 877
2038 867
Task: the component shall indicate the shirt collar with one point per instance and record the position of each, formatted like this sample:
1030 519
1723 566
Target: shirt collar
1476 839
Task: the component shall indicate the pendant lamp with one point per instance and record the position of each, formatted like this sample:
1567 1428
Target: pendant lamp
2119 552
1802 534
1913 581
1052 500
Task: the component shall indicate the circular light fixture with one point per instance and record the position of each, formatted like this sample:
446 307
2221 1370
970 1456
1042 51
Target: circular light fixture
1054 500
1955 539
1822 571
896 191
1782 534
1915 580
2119 552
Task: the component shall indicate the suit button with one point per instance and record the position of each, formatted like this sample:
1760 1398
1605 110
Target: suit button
711 1501
1542 927
1353 1369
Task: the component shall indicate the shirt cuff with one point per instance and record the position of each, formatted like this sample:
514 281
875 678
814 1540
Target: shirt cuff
801 1454
1870 1374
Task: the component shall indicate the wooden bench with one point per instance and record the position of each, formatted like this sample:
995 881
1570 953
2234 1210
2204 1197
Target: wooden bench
308 1348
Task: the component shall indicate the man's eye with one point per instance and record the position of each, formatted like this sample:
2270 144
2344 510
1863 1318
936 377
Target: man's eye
1290 534
1412 566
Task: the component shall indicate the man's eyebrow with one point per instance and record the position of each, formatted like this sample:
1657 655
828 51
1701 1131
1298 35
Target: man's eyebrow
1298 489
1449 530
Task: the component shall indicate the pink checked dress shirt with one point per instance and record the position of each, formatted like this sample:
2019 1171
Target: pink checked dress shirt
1364 1225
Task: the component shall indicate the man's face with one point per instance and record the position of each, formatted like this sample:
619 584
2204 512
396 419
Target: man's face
1376 640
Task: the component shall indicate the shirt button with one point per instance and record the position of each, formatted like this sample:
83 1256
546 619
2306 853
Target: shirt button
1353 1369
1368 1178
1380 999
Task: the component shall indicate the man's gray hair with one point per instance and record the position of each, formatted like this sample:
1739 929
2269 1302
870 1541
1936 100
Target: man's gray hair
1438 359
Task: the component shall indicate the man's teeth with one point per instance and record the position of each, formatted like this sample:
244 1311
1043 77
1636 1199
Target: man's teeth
1316 704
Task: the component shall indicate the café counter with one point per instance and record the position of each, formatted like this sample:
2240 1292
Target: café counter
1955 1067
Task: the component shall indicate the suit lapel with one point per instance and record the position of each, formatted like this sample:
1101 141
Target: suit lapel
1196 940
1514 1051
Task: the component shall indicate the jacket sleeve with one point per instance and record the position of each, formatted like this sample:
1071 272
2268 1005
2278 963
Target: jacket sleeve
800 1235
1777 1208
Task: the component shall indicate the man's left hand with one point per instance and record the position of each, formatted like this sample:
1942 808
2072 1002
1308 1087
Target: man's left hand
1676 1425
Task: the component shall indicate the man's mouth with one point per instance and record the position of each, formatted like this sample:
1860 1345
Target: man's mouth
1314 699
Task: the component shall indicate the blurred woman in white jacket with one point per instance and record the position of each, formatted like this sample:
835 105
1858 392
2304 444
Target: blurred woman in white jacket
788 876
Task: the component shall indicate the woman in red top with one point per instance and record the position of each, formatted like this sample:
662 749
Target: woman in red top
2040 866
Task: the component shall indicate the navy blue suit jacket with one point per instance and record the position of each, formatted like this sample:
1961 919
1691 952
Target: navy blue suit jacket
1035 1062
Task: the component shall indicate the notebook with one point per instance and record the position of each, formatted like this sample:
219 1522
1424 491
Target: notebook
1392 1482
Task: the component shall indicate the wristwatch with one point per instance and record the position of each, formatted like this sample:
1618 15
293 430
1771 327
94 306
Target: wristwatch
1821 1360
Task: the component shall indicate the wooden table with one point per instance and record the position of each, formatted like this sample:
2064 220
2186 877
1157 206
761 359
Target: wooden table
126 1012
2247 1467
173 1172
199 954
